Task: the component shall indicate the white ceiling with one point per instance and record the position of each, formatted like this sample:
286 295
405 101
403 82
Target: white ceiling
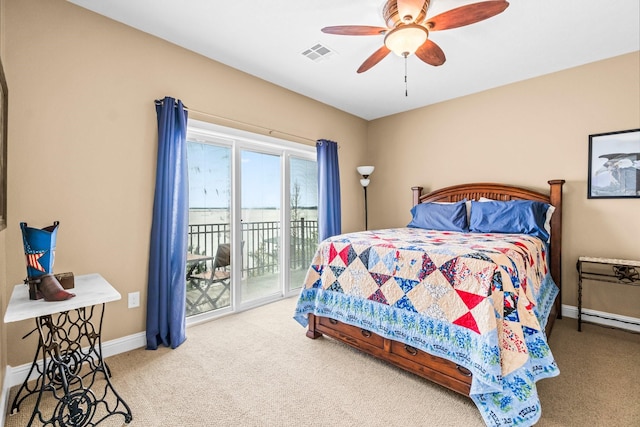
267 38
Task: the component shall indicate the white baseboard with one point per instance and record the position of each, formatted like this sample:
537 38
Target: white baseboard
16 375
594 316
124 344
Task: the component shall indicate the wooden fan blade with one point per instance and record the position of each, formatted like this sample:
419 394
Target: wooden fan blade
376 57
431 53
410 8
355 30
466 15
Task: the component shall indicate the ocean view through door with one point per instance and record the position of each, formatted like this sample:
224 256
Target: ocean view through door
209 267
303 217
261 223
252 220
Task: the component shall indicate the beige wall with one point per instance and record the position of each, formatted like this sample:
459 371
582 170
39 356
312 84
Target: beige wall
82 135
525 134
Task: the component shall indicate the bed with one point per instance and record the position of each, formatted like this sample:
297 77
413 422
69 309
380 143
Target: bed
469 309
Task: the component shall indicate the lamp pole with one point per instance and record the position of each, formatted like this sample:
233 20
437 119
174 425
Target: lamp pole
366 222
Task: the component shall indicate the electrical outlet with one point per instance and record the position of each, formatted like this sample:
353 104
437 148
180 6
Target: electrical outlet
134 299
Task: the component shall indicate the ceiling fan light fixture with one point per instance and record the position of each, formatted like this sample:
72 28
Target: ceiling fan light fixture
404 40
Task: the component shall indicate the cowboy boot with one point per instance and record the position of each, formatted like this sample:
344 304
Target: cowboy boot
39 249
50 288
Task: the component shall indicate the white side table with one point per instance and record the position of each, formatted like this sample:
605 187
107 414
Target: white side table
71 350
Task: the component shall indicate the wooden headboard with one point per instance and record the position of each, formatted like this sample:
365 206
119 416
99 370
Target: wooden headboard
507 192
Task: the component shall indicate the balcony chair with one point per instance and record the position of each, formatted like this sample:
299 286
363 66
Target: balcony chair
219 274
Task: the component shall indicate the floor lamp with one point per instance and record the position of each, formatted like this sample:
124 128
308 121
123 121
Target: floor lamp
365 171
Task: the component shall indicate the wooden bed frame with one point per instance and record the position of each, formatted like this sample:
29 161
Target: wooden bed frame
436 369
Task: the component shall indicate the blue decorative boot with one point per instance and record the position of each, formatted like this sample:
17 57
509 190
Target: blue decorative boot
39 250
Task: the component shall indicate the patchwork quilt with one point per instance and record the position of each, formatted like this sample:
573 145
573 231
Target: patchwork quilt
478 300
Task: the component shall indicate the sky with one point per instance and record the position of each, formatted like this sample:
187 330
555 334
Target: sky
210 178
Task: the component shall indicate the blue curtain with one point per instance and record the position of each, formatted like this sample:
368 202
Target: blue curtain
166 322
329 218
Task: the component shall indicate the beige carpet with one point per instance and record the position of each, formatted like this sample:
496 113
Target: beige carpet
257 368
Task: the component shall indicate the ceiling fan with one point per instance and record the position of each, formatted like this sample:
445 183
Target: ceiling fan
408 28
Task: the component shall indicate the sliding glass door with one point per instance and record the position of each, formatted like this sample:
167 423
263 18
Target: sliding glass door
209 250
253 213
261 224
303 218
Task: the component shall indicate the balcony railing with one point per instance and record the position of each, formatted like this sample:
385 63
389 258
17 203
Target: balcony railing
260 244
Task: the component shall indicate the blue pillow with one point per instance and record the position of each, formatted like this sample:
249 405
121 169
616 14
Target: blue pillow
514 216
440 216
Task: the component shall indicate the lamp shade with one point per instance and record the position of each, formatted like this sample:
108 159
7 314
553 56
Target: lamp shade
364 182
406 39
365 170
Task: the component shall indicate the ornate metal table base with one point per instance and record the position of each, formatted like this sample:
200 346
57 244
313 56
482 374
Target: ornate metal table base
73 373
623 272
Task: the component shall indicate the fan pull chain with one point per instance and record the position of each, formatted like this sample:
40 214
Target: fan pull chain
406 88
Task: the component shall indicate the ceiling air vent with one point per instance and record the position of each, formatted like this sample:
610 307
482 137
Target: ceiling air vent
318 52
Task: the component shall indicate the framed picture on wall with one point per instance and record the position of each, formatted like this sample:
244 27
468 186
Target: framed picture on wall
3 149
614 165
